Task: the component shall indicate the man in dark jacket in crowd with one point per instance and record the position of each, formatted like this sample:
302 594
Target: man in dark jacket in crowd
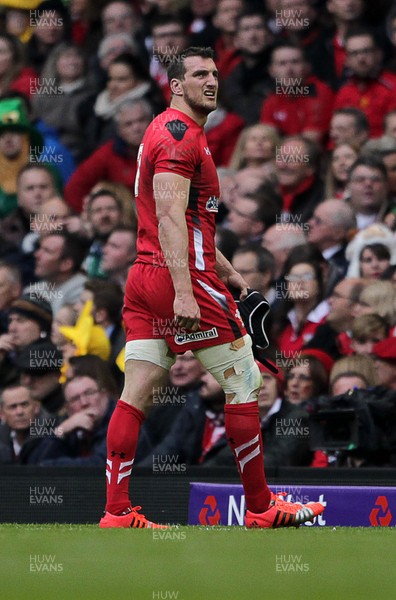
40 366
80 439
23 425
30 319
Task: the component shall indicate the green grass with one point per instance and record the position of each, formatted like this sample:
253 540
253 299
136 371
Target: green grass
197 563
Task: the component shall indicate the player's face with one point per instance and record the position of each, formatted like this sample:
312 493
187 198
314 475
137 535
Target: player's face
200 84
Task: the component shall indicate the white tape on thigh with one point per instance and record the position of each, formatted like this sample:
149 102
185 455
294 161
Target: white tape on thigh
235 370
155 351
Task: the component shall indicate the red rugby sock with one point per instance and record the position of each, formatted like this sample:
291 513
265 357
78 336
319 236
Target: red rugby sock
244 438
122 437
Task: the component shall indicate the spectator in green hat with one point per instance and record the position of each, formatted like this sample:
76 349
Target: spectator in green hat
18 142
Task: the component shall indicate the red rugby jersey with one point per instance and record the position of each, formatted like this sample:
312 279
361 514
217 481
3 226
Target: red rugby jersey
174 143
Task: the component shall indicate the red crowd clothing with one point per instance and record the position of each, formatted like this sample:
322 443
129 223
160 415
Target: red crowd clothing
344 343
299 108
175 143
110 162
223 137
226 58
339 55
289 194
375 97
26 83
291 341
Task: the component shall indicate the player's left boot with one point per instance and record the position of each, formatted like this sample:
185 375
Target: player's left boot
132 519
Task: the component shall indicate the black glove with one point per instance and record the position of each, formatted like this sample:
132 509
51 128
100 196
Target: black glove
253 310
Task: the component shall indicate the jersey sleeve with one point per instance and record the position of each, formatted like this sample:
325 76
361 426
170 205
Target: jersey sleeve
176 150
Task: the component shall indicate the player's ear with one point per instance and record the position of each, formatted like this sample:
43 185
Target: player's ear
175 86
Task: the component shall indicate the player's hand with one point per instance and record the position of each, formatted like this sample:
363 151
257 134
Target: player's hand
237 281
186 311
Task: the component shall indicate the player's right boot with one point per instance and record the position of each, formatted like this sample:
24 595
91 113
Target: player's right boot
131 519
283 514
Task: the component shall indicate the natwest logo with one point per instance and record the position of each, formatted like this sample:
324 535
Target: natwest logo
209 513
381 508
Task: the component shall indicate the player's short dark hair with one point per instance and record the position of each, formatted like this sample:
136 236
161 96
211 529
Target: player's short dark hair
176 68
368 160
361 121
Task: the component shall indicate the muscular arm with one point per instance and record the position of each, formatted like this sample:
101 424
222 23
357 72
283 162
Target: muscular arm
171 197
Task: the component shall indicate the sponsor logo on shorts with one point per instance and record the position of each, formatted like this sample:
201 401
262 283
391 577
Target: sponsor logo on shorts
198 336
212 205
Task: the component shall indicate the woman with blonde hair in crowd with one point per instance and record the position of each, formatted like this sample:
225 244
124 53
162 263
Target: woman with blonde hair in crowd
65 70
256 146
379 298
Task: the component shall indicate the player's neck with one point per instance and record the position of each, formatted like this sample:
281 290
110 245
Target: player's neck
181 105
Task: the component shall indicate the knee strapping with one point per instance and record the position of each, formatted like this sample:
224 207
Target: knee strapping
155 351
234 369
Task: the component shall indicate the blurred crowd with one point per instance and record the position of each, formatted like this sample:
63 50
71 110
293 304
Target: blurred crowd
304 140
